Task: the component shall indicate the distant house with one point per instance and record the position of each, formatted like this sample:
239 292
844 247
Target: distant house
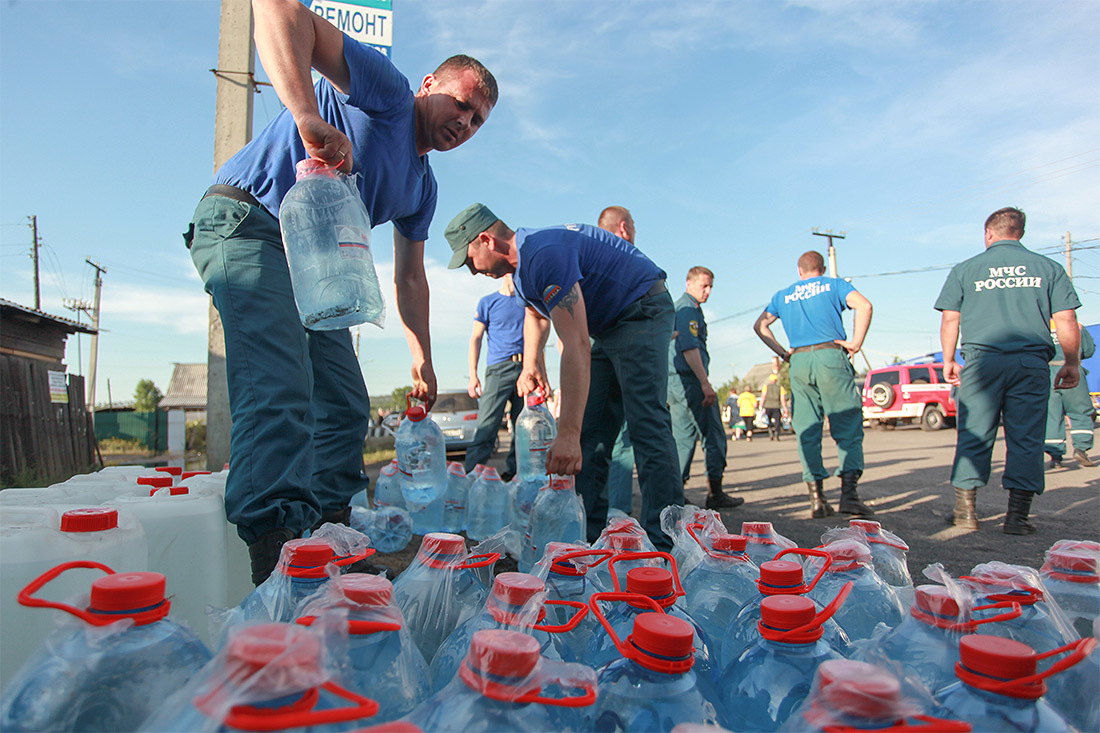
187 391
757 376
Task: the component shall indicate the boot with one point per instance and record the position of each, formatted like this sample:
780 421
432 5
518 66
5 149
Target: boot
1019 505
335 516
819 507
849 497
343 516
718 499
965 514
264 553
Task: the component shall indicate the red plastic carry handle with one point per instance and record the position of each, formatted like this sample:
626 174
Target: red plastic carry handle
799 634
488 559
924 724
604 555
593 603
356 626
806 588
679 591
26 597
259 719
582 611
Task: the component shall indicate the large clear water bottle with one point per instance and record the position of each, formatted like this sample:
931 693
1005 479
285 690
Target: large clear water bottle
1071 575
889 552
489 507
567 568
720 584
100 674
387 490
326 234
389 528
456 499
764 542
1041 624
422 460
872 601
535 431
557 515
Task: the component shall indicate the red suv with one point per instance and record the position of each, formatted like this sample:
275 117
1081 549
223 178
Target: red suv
906 392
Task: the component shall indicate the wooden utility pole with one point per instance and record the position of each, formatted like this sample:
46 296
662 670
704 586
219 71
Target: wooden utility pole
832 250
34 256
95 336
1069 256
232 131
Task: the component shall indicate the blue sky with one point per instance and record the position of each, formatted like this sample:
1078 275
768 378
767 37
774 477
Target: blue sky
730 129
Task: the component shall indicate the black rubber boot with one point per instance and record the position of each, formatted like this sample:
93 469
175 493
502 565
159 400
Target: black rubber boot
336 516
849 496
718 499
965 515
1016 518
264 553
819 507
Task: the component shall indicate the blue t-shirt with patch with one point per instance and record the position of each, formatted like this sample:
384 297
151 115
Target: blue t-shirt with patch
810 310
377 116
611 271
503 319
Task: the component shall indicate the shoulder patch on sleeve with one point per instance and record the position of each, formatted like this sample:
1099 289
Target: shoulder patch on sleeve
693 327
550 293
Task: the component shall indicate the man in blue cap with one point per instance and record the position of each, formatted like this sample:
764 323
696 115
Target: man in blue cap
297 398
592 285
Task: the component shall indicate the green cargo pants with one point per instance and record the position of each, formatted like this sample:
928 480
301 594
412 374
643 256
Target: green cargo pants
823 383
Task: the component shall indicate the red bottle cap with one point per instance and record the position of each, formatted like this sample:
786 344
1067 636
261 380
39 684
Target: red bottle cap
864 691
667 643
283 649
936 600
455 468
416 413
172 491
308 553
994 656
778 575
442 543
173 470
189 474
562 483
92 519
847 554
313 167
730 542
655 583
503 653
1075 562
159 482
366 590
490 474
127 594
625 542
516 589
535 399
869 526
756 528
784 613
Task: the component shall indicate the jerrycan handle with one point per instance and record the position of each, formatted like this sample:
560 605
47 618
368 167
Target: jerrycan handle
482 561
575 619
603 555
1013 612
1021 593
679 591
826 614
806 588
586 698
26 596
593 603
355 626
1078 649
923 724
253 719
319 572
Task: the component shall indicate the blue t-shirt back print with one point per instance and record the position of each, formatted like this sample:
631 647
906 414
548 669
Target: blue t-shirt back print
810 310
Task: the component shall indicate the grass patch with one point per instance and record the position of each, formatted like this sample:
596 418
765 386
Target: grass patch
378 450
114 446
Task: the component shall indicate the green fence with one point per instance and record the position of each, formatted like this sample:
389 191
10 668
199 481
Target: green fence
148 428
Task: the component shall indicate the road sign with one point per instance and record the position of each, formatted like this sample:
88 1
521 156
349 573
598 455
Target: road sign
367 21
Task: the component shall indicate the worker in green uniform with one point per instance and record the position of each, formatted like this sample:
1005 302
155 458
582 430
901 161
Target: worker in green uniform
1003 300
1072 403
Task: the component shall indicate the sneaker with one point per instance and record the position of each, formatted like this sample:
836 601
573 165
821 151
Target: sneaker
723 501
1083 458
1055 462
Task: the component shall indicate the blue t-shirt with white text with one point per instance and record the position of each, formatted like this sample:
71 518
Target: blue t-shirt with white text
810 310
612 272
503 319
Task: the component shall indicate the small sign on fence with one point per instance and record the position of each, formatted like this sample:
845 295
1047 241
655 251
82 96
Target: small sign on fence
59 390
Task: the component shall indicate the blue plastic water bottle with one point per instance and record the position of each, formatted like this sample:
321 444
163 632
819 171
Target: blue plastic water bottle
1071 575
771 678
326 235
503 685
872 601
369 645
422 461
689 547
557 515
623 535
489 507
652 685
569 577
387 490
298 575
1065 690
926 642
999 687
389 528
535 431
764 542
89 677
268 677
440 589
721 583
778 577
517 602
456 498
1041 624
888 551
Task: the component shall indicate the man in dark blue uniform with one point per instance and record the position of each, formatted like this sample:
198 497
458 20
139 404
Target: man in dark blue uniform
613 314
1003 299
823 381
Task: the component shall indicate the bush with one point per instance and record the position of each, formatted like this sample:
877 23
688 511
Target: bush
196 436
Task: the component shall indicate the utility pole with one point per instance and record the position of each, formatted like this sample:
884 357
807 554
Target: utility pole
232 131
78 307
95 336
832 250
1069 257
34 256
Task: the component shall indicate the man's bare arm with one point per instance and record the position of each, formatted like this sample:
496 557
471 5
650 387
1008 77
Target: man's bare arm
949 341
571 324
412 307
863 310
764 331
536 330
694 360
473 357
1069 336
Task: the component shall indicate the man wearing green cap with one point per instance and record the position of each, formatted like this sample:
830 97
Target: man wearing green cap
592 285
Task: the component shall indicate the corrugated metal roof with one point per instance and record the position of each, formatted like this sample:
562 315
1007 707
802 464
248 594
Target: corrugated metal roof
73 325
187 388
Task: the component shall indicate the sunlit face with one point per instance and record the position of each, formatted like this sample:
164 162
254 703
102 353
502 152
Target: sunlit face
449 110
482 259
699 287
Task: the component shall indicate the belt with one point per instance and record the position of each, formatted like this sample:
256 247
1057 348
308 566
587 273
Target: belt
232 192
516 357
816 347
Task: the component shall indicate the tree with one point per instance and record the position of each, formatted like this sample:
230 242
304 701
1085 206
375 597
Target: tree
396 399
147 396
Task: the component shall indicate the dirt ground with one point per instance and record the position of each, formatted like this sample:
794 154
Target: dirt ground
905 481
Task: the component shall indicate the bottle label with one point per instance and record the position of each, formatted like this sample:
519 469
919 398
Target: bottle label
353 242
417 459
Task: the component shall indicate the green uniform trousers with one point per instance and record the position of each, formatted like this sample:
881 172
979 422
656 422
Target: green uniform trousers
995 384
691 422
1077 406
823 382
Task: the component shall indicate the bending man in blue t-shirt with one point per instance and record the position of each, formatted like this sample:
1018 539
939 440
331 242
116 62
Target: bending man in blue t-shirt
499 317
823 381
589 283
297 399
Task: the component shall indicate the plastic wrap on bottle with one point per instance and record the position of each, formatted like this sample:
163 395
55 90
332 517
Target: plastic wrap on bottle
267 676
888 551
1065 691
367 644
387 490
516 602
764 542
873 604
689 550
490 506
1071 574
557 515
442 587
389 528
568 571
1000 686
653 683
503 684
456 498
623 535
108 666
850 695
1041 625
721 583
